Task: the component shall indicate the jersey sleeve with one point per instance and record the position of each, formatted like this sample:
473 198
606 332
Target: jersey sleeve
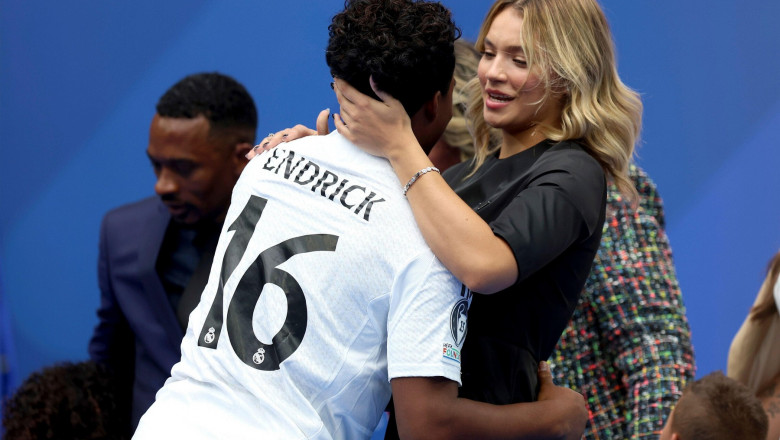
427 321
562 204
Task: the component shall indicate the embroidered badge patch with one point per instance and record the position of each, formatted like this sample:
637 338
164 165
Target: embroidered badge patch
451 352
458 319
458 326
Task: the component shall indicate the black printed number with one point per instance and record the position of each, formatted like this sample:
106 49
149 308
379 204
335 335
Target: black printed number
263 270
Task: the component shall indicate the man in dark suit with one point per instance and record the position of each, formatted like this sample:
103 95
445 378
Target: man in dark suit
155 254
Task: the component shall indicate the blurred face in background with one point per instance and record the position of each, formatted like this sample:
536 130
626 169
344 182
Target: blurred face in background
195 172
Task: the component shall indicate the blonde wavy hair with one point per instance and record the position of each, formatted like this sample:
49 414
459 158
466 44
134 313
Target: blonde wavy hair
457 134
568 42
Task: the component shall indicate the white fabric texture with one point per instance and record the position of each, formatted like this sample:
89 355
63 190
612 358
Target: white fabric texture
374 294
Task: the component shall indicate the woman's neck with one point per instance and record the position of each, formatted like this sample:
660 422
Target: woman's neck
513 143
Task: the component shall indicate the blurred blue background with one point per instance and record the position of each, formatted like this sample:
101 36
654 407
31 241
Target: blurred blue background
79 81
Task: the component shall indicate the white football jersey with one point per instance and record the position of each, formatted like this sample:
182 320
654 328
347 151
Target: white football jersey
322 289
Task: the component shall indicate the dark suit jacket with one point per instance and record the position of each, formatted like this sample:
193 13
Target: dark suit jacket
138 334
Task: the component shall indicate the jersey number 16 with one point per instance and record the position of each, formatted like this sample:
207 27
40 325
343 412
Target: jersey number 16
245 344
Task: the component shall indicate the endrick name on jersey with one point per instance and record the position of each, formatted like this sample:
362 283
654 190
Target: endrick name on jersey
330 185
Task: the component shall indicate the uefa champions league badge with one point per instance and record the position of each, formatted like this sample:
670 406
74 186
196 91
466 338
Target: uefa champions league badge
209 338
458 327
259 357
458 320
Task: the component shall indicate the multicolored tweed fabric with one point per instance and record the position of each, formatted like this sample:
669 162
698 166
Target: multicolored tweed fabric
627 348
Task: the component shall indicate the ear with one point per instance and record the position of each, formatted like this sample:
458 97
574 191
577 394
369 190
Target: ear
239 155
431 106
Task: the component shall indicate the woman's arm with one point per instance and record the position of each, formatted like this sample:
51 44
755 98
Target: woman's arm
456 234
430 408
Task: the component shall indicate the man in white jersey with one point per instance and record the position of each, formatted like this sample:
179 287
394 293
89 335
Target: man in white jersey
323 293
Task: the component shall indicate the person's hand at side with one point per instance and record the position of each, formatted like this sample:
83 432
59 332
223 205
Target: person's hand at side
429 408
570 404
291 134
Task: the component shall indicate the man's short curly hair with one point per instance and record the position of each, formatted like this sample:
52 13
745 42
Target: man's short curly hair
66 401
222 100
405 45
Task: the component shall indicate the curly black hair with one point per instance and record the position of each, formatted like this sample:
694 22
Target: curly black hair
227 105
66 401
407 47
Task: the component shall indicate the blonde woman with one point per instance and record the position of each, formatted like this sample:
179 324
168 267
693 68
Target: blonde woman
521 222
754 356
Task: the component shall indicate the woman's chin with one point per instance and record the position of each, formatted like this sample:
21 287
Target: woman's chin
494 123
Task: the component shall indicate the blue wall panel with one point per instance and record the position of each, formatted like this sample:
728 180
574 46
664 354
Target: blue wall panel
79 80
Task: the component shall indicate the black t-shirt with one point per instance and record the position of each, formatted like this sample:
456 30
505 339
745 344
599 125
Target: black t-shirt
548 203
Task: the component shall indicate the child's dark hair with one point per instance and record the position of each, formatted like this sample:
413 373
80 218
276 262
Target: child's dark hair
66 401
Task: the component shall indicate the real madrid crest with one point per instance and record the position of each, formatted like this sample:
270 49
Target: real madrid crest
259 357
209 337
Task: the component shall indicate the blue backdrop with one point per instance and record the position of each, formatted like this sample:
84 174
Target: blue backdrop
79 81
